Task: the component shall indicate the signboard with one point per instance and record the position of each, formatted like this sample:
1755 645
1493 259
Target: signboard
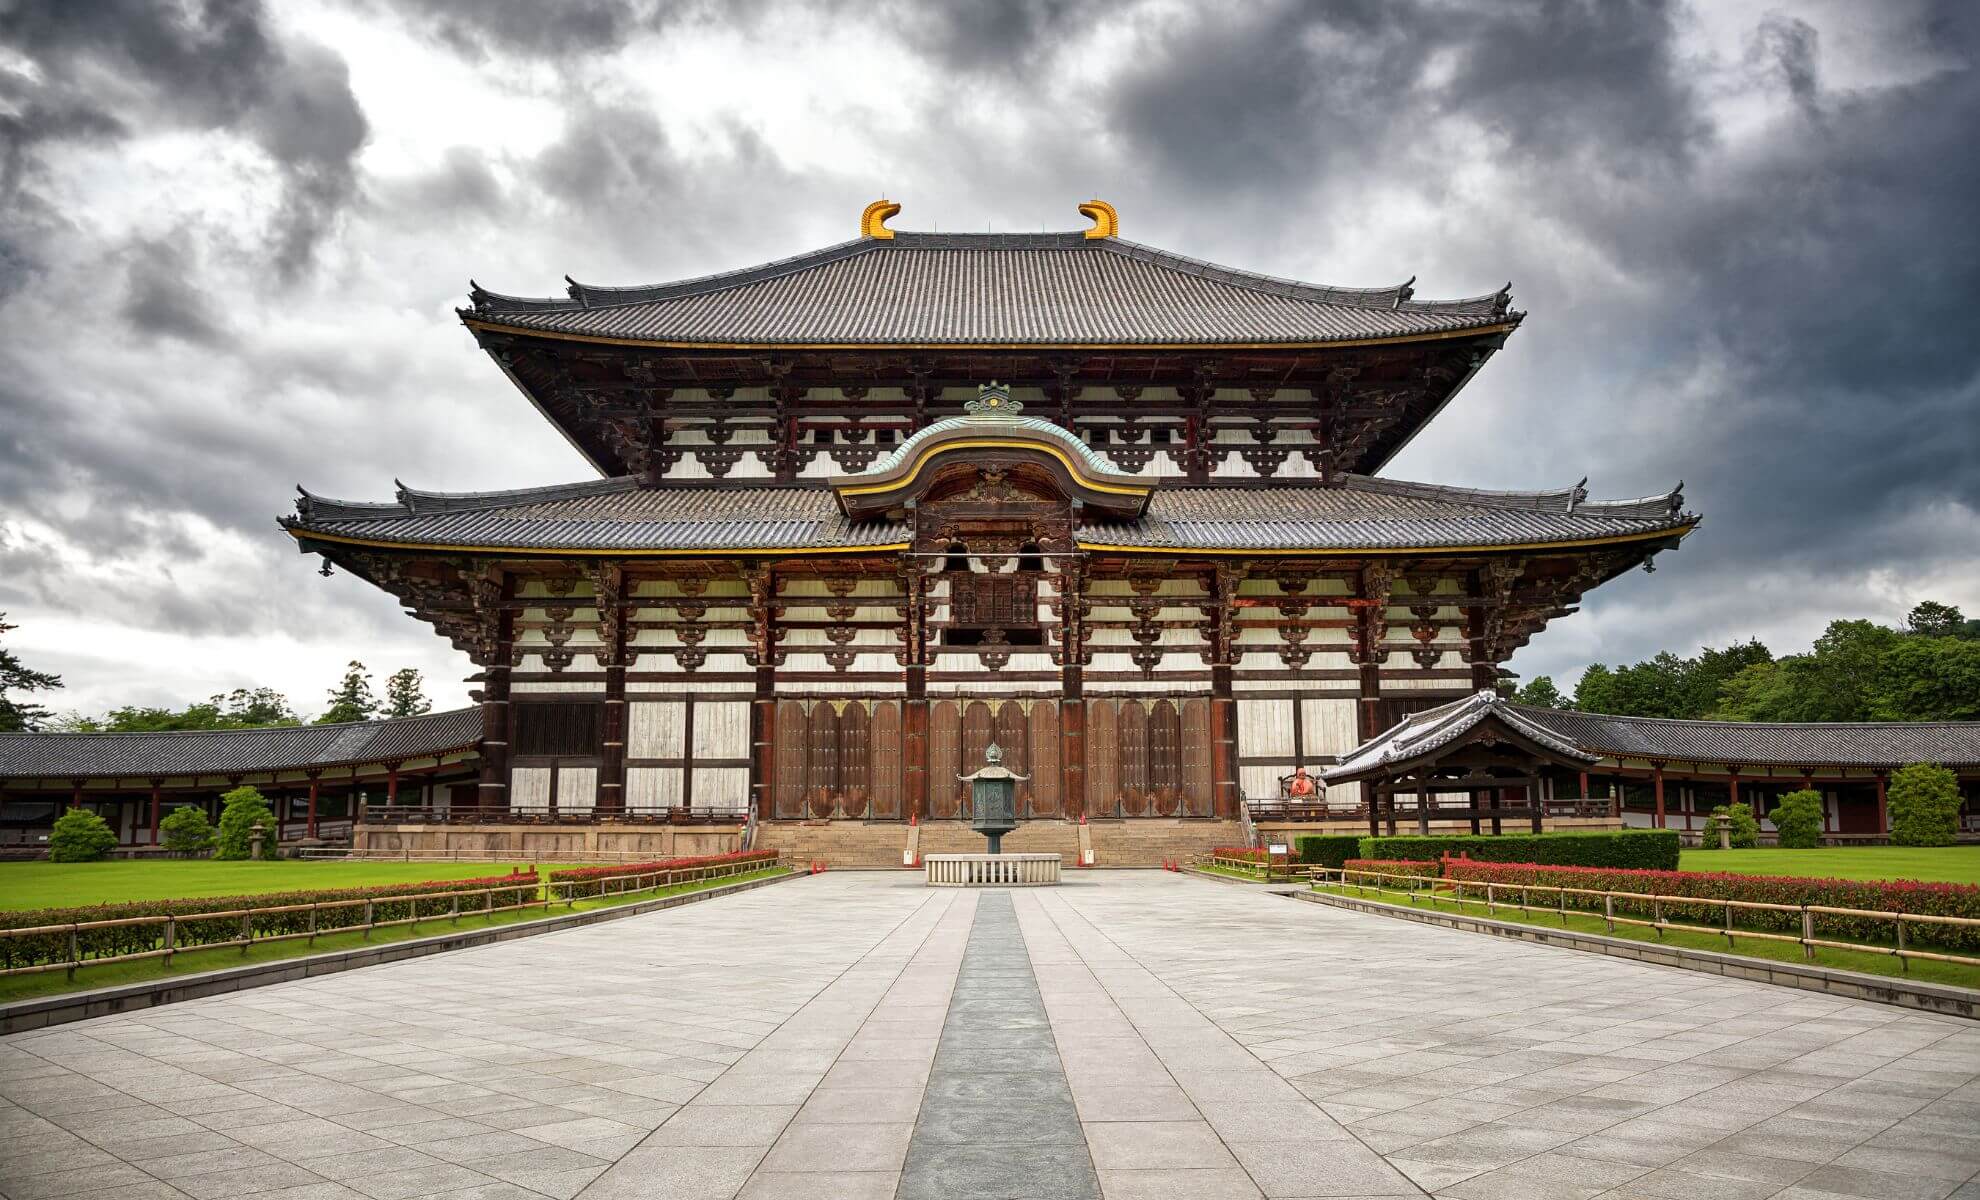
1276 848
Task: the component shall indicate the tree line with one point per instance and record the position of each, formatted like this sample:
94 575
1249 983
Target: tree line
352 699
1928 670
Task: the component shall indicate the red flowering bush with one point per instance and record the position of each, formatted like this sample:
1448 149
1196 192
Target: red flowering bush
1394 866
588 881
1932 899
388 904
1245 853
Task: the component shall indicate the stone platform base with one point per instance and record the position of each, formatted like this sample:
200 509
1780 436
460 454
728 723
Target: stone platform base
992 870
526 842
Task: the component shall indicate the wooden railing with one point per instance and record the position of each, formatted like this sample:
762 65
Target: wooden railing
1495 896
610 887
381 814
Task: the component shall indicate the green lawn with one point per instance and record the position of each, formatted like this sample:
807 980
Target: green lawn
1867 961
18 987
1947 864
62 885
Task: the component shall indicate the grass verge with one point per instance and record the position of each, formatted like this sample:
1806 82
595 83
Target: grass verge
192 962
29 885
1936 864
1868 961
1232 872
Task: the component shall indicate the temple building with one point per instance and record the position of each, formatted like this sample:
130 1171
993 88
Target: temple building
864 511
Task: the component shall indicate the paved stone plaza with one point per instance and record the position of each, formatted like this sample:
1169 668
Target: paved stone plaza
1129 1034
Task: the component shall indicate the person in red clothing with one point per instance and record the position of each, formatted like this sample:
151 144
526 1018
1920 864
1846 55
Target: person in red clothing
1301 784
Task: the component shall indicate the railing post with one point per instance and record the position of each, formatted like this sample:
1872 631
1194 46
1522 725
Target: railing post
367 920
75 953
454 915
1491 905
1729 927
1904 963
247 931
1657 916
1807 934
312 922
171 939
1609 910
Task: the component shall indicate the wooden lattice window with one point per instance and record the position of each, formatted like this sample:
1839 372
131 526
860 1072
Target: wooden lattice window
554 729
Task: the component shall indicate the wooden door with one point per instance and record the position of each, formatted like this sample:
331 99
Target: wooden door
1165 757
1103 793
855 741
884 770
1133 750
790 736
1045 781
1009 736
944 758
978 727
1197 789
821 781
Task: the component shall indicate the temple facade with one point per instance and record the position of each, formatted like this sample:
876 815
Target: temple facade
862 512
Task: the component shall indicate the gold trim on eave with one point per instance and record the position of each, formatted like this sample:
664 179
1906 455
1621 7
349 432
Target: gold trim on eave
989 443
1121 347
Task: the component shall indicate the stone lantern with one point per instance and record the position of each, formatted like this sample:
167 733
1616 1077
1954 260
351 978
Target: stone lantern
993 798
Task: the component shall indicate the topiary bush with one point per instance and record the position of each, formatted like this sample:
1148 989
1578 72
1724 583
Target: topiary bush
1798 820
1643 849
245 807
1325 849
1923 800
80 836
1739 819
186 831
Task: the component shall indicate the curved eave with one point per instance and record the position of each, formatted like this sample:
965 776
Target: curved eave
302 534
484 325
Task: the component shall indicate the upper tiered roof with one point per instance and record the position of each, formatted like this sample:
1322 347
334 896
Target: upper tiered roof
989 289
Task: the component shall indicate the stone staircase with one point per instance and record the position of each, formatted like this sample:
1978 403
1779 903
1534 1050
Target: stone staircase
1030 837
1152 841
841 844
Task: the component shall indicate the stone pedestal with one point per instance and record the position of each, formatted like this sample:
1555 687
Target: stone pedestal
992 870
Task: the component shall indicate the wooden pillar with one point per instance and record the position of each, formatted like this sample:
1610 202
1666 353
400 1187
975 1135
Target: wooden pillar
1422 808
1883 807
763 744
608 600
1072 753
1732 797
1584 787
1371 790
75 792
687 750
391 789
315 781
1389 807
1657 782
1472 800
1498 795
157 802
1534 804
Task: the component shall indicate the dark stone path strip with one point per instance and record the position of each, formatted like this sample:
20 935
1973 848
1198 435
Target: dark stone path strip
997 1121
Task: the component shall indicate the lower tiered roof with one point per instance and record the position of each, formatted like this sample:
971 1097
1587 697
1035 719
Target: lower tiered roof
237 751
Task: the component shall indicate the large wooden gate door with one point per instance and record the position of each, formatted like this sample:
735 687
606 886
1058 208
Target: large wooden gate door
822 780
1103 795
1198 792
1165 758
791 736
884 771
1010 738
855 730
1045 759
944 758
1133 749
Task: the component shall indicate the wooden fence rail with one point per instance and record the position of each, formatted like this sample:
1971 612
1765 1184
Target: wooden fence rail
612 886
1496 895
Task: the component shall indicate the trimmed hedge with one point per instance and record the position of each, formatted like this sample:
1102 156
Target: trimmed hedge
1396 866
589 881
1640 849
1935 899
191 935
1326 849
1247 853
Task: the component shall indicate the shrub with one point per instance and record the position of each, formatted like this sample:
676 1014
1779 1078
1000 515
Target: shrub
1739 820
190 935
1395 866
80 836
589 880
1326 849
1924 806
1936 899
244 809
186 831
1646 849
1798 819
1247 853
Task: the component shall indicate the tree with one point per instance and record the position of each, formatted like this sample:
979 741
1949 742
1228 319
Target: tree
1541 693
1928 679
405 694
1666 685
1924 805
80 836
242 708
242 809
1931 619
351 699
1798 819
18 716
186 831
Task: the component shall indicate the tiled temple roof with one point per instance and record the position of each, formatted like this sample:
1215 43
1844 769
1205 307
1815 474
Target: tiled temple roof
990 289
1423 734
236 751
618 514
1810 744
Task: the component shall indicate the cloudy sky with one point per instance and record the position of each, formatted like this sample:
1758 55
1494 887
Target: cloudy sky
232 239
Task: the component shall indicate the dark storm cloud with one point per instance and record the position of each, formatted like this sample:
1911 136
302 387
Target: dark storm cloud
162 296
106 70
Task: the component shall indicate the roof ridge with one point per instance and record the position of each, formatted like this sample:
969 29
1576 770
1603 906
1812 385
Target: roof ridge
1713 721
303 726
411 501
